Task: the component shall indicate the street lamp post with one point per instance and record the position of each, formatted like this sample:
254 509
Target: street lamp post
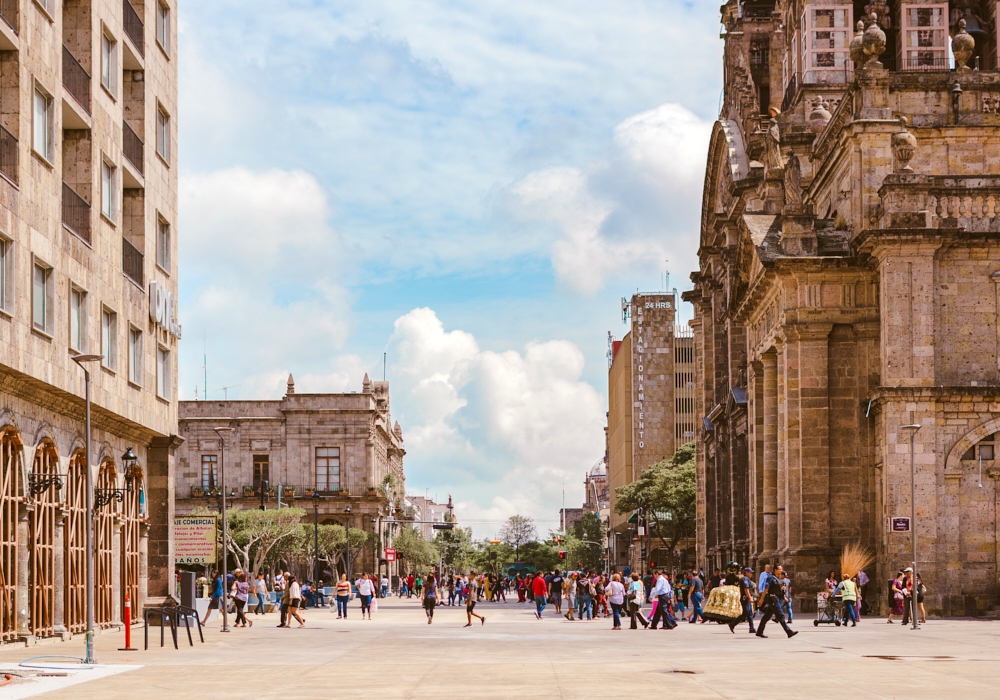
89 657
225 529
316 499
913 519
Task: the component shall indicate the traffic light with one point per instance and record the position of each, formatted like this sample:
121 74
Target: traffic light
557 540
652 565
493 556
562 553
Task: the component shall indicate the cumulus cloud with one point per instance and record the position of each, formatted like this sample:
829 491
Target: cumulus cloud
259 266
505 428
626 213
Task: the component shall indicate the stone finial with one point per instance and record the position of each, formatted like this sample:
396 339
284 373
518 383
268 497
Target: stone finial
858 46
819 117
873 42
291 385
366 385
962 45
397 431
904 146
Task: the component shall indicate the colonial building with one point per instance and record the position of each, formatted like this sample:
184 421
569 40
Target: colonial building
87 267
642 409
848 289
430 513
341 448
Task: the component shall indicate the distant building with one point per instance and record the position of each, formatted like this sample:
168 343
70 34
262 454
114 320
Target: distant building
569 517
427 510
597 496
342 447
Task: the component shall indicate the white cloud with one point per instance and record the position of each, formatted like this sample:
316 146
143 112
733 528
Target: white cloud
259 268
504 428
629 212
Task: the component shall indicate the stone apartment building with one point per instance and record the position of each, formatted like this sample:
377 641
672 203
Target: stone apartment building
848 288
88 209
341 448
430 512
646 415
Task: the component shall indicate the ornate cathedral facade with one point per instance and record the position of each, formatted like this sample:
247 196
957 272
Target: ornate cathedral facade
848 291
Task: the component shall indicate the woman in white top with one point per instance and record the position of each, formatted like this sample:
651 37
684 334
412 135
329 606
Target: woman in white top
616 596
295 600
366 589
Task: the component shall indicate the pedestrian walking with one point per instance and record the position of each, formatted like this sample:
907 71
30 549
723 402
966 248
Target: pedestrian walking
384 584
556 591
896 596
215 596
343 594
697 596
635 595
747 589
429 589
571 595
616 596
661 594
770 601
366 589
921 590
539 590
585 595
285 600
241 594
260 590
294 601
470 605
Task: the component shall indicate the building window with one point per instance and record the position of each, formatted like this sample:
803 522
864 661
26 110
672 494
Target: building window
261 471
925 37
163 244
42 125
109 64
41 298
135 356
327 468
209 471
163 133
163 373
6 268
109 186
163 26
109 339
77 319
825 41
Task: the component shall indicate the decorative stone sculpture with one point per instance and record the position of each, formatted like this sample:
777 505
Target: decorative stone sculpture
819 117
873 42
904 145
962 45
793 179
858 46
772 152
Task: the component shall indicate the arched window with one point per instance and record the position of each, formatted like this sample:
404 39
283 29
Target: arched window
104 519
10 489
41 545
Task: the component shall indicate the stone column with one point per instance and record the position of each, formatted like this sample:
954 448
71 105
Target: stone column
23 570
59 574
769 505
784 443
160 502
143 568
755 398
117 585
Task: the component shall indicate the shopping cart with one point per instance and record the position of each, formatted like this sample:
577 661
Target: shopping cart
829 609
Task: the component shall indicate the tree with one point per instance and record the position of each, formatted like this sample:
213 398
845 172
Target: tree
666 493
332 546
454 547
253 534
518 531
586 542
414 548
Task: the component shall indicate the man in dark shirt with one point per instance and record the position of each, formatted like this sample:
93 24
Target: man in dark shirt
747 590
555 591
771 601
697 596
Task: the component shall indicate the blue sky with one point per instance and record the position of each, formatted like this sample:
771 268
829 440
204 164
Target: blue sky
470 187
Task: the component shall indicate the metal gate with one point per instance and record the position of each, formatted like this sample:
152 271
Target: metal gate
131 520
41 550
104 521
10 472
76 543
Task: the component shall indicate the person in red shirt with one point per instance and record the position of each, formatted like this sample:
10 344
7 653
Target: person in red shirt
540 589
410 581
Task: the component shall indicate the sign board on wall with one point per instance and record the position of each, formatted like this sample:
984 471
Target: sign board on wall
901 524
163 309
390 554
195 539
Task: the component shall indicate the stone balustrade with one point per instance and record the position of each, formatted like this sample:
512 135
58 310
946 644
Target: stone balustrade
928 201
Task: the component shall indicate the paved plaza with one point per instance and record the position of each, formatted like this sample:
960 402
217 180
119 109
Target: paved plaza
397 655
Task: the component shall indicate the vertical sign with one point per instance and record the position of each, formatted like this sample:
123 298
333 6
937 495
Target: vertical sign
653 407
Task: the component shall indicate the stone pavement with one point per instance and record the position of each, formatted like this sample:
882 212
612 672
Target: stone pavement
397 655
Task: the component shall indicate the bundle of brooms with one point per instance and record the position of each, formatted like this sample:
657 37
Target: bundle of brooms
854 559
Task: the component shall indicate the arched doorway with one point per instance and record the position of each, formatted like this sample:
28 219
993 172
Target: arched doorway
132 513
104 523
76 543
41 549
10 478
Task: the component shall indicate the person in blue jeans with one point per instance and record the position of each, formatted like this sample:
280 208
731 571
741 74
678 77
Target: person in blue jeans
215 602
584 596
697 595
539 590
786 605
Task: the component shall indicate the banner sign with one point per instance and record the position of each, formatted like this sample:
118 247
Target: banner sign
195 539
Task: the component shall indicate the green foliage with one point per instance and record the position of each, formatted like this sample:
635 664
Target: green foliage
481 562
455 547
666 492
255 536
417 552
585 545
543 556
518 531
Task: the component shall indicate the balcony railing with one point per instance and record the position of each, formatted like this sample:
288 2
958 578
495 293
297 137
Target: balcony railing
133 147
8 154
8 11
132 262
76 79
133 26
76 213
